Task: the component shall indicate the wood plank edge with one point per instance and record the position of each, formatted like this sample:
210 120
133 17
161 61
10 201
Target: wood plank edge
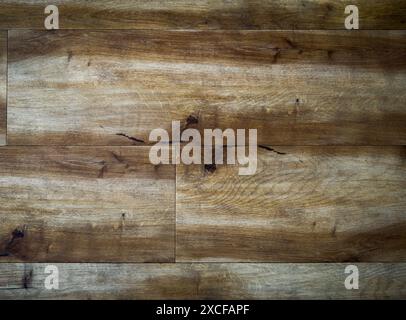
204 281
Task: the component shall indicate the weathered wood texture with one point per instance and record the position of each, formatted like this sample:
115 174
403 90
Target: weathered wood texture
94 204
312 204
3 87
203 281
210 64
203 14
296 88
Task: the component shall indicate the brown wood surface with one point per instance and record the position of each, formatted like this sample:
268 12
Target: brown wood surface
3 87
77 188
305 204
203 281
203 14
296 88
93 204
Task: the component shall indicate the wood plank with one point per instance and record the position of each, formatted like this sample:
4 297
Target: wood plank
3 87
309 204
203 281
93 204
203 14
296 88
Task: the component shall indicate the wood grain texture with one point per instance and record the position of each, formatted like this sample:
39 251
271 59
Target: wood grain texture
3 87
311 204
72 204
203 281
203 14
296 88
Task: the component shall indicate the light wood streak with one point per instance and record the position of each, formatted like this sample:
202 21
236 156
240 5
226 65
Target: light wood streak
296 88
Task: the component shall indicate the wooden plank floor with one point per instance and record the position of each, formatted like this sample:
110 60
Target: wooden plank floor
203 14
203 281
296 88
309 204
77 188
97 204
